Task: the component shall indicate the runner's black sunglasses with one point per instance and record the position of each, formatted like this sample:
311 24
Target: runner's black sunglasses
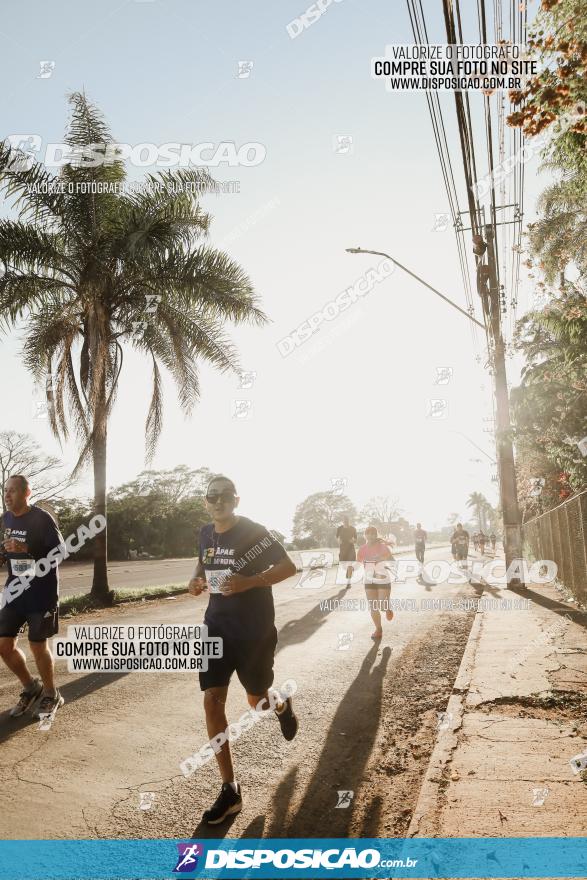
213 497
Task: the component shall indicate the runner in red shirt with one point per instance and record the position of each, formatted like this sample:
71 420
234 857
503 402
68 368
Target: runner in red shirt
377 584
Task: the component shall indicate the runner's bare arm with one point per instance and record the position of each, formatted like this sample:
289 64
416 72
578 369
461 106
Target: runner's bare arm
283 569
238 583
14 546
197 582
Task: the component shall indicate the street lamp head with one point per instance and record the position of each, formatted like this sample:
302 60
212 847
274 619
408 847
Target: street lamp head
353 250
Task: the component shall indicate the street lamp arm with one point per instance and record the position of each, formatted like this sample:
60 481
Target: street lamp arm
421 280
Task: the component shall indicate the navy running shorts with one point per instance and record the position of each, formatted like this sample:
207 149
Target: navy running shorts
252 660
41 624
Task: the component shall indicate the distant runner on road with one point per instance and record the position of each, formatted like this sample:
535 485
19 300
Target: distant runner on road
29 535
482 540
493 539
239 562
377 584
460 542
346 535
420 538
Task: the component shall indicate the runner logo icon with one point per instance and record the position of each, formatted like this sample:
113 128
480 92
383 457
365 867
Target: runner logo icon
187 860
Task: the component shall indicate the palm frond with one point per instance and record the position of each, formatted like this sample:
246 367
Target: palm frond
154 421
208 278
35 190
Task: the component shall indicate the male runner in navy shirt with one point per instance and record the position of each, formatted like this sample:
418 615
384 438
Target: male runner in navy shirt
239 561
420 537
29 534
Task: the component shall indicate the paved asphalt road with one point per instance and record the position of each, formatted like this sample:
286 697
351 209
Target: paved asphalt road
368 720
77 577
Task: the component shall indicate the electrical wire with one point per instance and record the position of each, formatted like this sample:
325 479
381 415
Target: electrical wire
418 23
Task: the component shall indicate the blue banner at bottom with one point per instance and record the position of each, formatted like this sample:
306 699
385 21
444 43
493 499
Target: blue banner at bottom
481 857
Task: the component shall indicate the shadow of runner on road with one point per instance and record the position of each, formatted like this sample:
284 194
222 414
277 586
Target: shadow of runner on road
213 832
255 828
72 691
577 616
294 632
372 818
342 762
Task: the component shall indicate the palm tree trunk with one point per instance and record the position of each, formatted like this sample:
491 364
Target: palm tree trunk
100 592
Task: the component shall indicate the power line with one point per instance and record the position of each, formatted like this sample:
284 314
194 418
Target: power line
418 23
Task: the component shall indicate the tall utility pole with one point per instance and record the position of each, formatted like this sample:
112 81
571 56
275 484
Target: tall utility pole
512 522
488 289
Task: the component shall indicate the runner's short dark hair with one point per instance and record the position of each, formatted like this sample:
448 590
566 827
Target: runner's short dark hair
24 483
221 477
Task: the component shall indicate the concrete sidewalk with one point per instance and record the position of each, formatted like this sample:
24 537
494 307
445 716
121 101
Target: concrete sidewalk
517 715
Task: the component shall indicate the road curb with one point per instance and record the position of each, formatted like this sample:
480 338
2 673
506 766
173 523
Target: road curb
427 805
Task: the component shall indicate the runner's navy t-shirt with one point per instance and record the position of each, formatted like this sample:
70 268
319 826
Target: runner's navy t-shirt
460 538
346 534
37 529
247 548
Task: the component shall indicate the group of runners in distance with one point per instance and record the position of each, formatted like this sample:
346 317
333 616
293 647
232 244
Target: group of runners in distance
481 541
239 561
460 540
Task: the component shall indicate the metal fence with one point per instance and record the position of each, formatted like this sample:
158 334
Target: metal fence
561 535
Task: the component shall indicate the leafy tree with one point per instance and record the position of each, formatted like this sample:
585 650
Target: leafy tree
558 239
558 38
174 485
550 405
381 509
532 464
147 515
83 267
71 513
317 518
21 454
149 523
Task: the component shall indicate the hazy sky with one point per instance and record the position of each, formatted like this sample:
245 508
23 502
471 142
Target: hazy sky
353 402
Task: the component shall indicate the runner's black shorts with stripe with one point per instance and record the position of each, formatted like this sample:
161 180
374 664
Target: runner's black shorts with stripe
251 659
41 624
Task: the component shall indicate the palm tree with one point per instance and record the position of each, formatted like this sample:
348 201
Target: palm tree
84 260
479 503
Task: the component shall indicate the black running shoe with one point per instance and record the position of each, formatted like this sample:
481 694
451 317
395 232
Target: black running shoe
27 698
288 720
226 804
49 705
